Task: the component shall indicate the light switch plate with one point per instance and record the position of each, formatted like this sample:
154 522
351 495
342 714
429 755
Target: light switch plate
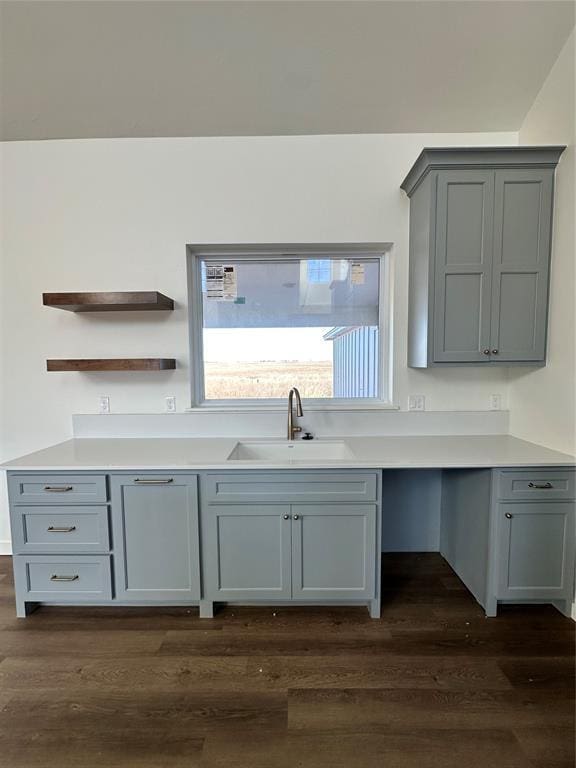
104 404
171 404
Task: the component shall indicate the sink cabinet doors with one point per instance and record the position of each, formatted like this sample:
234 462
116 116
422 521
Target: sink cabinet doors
156 540
247 551
333 551
322 546
283 552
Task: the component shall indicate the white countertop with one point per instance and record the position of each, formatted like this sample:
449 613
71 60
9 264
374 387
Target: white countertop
367 452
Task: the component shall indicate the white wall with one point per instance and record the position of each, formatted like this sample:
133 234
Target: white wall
543 401
117 214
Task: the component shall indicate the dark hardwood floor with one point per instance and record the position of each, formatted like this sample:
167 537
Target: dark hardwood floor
433 684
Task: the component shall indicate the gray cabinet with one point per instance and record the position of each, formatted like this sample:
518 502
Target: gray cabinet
248 552
462 280
156 544
535 556
333 551
299 536
510 534
480 225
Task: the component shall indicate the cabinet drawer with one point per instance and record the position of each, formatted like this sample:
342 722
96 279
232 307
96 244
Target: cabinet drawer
57 489
65 577
291 487
536 484
60 529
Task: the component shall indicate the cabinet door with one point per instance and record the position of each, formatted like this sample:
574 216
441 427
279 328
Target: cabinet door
535 550
463 266
522 223
333 551
247 551
156 545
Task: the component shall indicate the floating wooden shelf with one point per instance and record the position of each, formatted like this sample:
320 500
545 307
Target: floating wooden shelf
122 301
114 364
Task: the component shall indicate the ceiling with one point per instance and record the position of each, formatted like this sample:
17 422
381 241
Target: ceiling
162 68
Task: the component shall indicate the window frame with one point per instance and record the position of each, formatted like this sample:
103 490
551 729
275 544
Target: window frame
260 252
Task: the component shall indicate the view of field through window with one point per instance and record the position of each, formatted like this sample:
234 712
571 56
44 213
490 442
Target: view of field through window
266 362
272 325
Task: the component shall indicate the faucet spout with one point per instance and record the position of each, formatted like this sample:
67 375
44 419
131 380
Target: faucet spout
292 429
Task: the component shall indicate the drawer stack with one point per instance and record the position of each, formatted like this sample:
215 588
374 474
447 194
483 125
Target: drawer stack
61 538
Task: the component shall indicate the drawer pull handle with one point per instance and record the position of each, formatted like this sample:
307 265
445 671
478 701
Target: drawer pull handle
541 486
508 516
55 577
58 488
154 481
56 529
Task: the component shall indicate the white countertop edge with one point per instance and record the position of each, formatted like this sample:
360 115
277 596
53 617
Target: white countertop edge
253 465
172 455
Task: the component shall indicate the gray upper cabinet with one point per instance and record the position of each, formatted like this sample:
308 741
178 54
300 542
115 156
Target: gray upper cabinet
480 232
156 538
463 266
521 262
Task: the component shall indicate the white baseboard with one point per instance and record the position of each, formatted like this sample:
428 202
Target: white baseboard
6 547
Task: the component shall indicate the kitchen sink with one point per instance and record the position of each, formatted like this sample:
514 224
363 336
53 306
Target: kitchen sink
281 451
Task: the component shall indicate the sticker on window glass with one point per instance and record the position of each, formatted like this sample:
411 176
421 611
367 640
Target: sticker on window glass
221 282
357 274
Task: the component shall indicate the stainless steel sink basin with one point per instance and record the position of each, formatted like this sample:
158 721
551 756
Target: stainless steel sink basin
284 451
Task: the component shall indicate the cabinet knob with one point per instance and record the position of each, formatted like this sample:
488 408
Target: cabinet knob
296 517
286 517
486 351
508 516
494 351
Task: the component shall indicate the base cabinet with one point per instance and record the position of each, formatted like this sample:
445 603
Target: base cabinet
333 551
535 557
263 548
155 527
247 552
509 534
284 552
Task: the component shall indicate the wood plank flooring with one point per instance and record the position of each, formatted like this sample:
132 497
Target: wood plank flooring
433 684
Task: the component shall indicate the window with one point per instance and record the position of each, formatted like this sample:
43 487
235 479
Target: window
265 323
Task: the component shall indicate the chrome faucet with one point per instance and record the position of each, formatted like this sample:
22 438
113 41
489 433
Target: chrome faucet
291 428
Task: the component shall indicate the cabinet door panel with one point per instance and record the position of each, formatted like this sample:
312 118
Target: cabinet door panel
536 558
463 265
156 543
522 223
333 551
247 552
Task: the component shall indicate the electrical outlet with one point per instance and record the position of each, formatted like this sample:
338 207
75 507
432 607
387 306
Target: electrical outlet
104 404
416 402
171 404
495 402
